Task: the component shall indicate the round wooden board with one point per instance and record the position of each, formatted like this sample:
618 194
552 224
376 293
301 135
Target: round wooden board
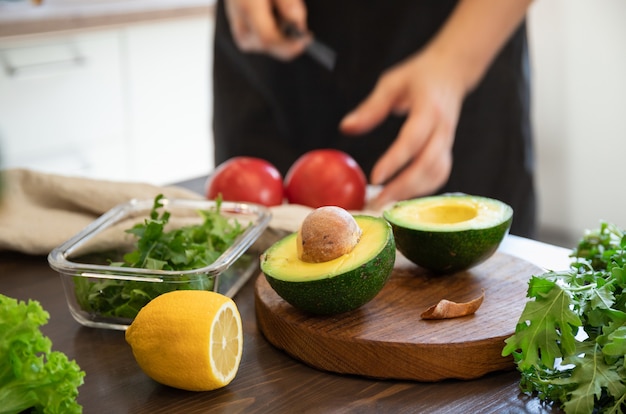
386 338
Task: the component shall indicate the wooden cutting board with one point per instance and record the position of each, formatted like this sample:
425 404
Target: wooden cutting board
386 338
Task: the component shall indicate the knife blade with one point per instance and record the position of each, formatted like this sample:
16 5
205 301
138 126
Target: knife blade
320 52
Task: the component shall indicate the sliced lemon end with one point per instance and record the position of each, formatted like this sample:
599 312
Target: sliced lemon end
226 345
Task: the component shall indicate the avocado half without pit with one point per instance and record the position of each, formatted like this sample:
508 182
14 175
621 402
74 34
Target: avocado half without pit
303 270
449 233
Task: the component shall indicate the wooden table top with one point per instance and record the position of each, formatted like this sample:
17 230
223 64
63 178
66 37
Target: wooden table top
268 379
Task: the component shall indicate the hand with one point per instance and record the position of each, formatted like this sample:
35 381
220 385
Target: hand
427 89
255 27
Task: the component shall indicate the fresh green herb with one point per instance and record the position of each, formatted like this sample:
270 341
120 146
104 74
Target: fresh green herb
570 342
32 376
185 248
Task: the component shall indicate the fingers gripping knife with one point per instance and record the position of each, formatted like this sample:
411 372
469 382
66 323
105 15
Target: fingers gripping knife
317 50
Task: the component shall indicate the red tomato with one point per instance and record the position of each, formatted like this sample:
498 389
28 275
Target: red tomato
326 177
246 179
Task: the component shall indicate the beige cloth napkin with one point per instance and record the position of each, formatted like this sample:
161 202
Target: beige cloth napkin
39 211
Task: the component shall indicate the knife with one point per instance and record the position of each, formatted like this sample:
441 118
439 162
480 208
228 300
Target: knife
320 52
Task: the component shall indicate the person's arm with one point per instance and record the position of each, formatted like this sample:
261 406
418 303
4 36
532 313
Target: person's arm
255 26
429 87
475 33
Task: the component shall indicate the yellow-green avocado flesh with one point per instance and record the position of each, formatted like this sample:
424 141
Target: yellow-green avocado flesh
449 233
339 285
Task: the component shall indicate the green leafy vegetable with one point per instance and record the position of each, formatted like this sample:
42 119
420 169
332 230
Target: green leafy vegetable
32 376
570 342
185 248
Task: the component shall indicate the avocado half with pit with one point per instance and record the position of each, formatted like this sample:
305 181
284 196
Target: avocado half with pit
449 233
335 286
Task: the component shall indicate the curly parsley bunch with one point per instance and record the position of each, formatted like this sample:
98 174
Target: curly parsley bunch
570 341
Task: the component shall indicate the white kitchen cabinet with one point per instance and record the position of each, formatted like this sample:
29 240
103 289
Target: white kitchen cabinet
168 69
62 104
128 103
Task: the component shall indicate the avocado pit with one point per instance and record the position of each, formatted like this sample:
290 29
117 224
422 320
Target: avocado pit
327 233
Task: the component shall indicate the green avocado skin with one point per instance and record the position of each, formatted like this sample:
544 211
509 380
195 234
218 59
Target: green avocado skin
343 292
449 252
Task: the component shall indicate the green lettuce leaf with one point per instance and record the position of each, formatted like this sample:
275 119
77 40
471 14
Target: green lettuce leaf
32 376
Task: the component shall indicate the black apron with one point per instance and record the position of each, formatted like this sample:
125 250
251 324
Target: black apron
278 111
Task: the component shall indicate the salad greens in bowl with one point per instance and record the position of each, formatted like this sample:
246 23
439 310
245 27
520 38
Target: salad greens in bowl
144 248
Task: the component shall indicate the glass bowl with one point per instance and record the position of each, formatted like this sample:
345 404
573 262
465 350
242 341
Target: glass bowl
109 296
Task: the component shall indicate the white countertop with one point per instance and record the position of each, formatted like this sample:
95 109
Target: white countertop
23 18
546 256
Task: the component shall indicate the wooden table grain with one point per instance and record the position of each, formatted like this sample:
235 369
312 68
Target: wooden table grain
268 381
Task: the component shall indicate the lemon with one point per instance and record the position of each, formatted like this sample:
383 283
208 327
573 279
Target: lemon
188 339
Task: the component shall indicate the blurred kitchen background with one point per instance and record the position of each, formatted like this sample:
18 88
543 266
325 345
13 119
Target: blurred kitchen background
120 90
